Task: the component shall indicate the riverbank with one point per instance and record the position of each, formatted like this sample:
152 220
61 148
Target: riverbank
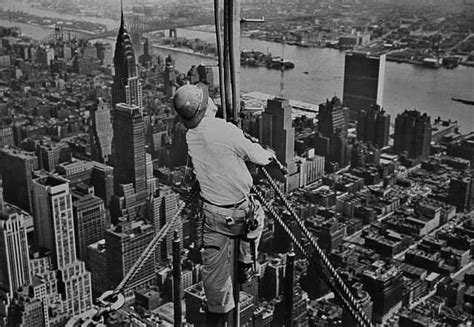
186 51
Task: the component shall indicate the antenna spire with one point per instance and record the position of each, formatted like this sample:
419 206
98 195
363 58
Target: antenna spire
282 68
122 21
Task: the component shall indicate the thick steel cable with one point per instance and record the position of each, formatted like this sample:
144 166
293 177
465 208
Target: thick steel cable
226 62
361 317
149 250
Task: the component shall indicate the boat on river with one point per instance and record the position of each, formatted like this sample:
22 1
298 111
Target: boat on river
253 58
465 101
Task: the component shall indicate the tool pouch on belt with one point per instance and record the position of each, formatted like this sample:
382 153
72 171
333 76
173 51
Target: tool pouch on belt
251 223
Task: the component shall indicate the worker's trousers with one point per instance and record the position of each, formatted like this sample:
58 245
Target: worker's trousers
220 226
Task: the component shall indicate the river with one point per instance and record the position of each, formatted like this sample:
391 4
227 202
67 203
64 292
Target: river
319 75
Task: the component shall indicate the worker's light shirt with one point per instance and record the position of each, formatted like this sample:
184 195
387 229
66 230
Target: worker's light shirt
218 150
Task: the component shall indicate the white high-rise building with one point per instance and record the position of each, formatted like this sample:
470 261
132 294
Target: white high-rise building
54 227
13 248
14 266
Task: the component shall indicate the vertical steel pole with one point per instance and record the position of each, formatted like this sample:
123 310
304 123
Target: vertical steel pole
227 72
234 52
235 283
220 57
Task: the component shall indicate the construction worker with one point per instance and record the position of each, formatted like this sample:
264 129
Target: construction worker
218 150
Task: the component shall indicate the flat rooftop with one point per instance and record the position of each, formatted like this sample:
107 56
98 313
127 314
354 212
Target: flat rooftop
259 99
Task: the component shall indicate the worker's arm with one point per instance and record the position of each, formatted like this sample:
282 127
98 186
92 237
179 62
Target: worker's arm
248 150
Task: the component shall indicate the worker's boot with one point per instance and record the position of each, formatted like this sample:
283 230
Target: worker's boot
216 319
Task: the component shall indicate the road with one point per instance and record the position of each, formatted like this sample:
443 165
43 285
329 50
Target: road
459 43
400 256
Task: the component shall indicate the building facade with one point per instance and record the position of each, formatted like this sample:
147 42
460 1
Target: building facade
412 134
17 169
54 229
364 76
89 221
101 132
373 126
127 87
125 242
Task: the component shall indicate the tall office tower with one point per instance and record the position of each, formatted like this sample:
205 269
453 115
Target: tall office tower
16 167
129 161
271 283
51 154
331 235
333 118
101 132
145 58
102 178
331 141
385 287
125 242
364 76
89 221
151 181
461 193
127 87
13 250
54 228
334 150
278 133
193 75
162 207
97 265
170 79
373 126
206 75
413 134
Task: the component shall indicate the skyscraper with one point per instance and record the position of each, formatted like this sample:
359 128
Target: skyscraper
54 228
278 133
102 178
461 193
385 287
97 265
124 244
170 78
333 118
331 141
101 132
127 87
373 126
129 148
13 249
89 221
161 208
17 167
413 134
364 76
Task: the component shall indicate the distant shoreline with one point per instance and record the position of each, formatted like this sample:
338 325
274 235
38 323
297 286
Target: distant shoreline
190 52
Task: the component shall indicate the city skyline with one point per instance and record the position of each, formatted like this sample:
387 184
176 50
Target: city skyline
371 224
